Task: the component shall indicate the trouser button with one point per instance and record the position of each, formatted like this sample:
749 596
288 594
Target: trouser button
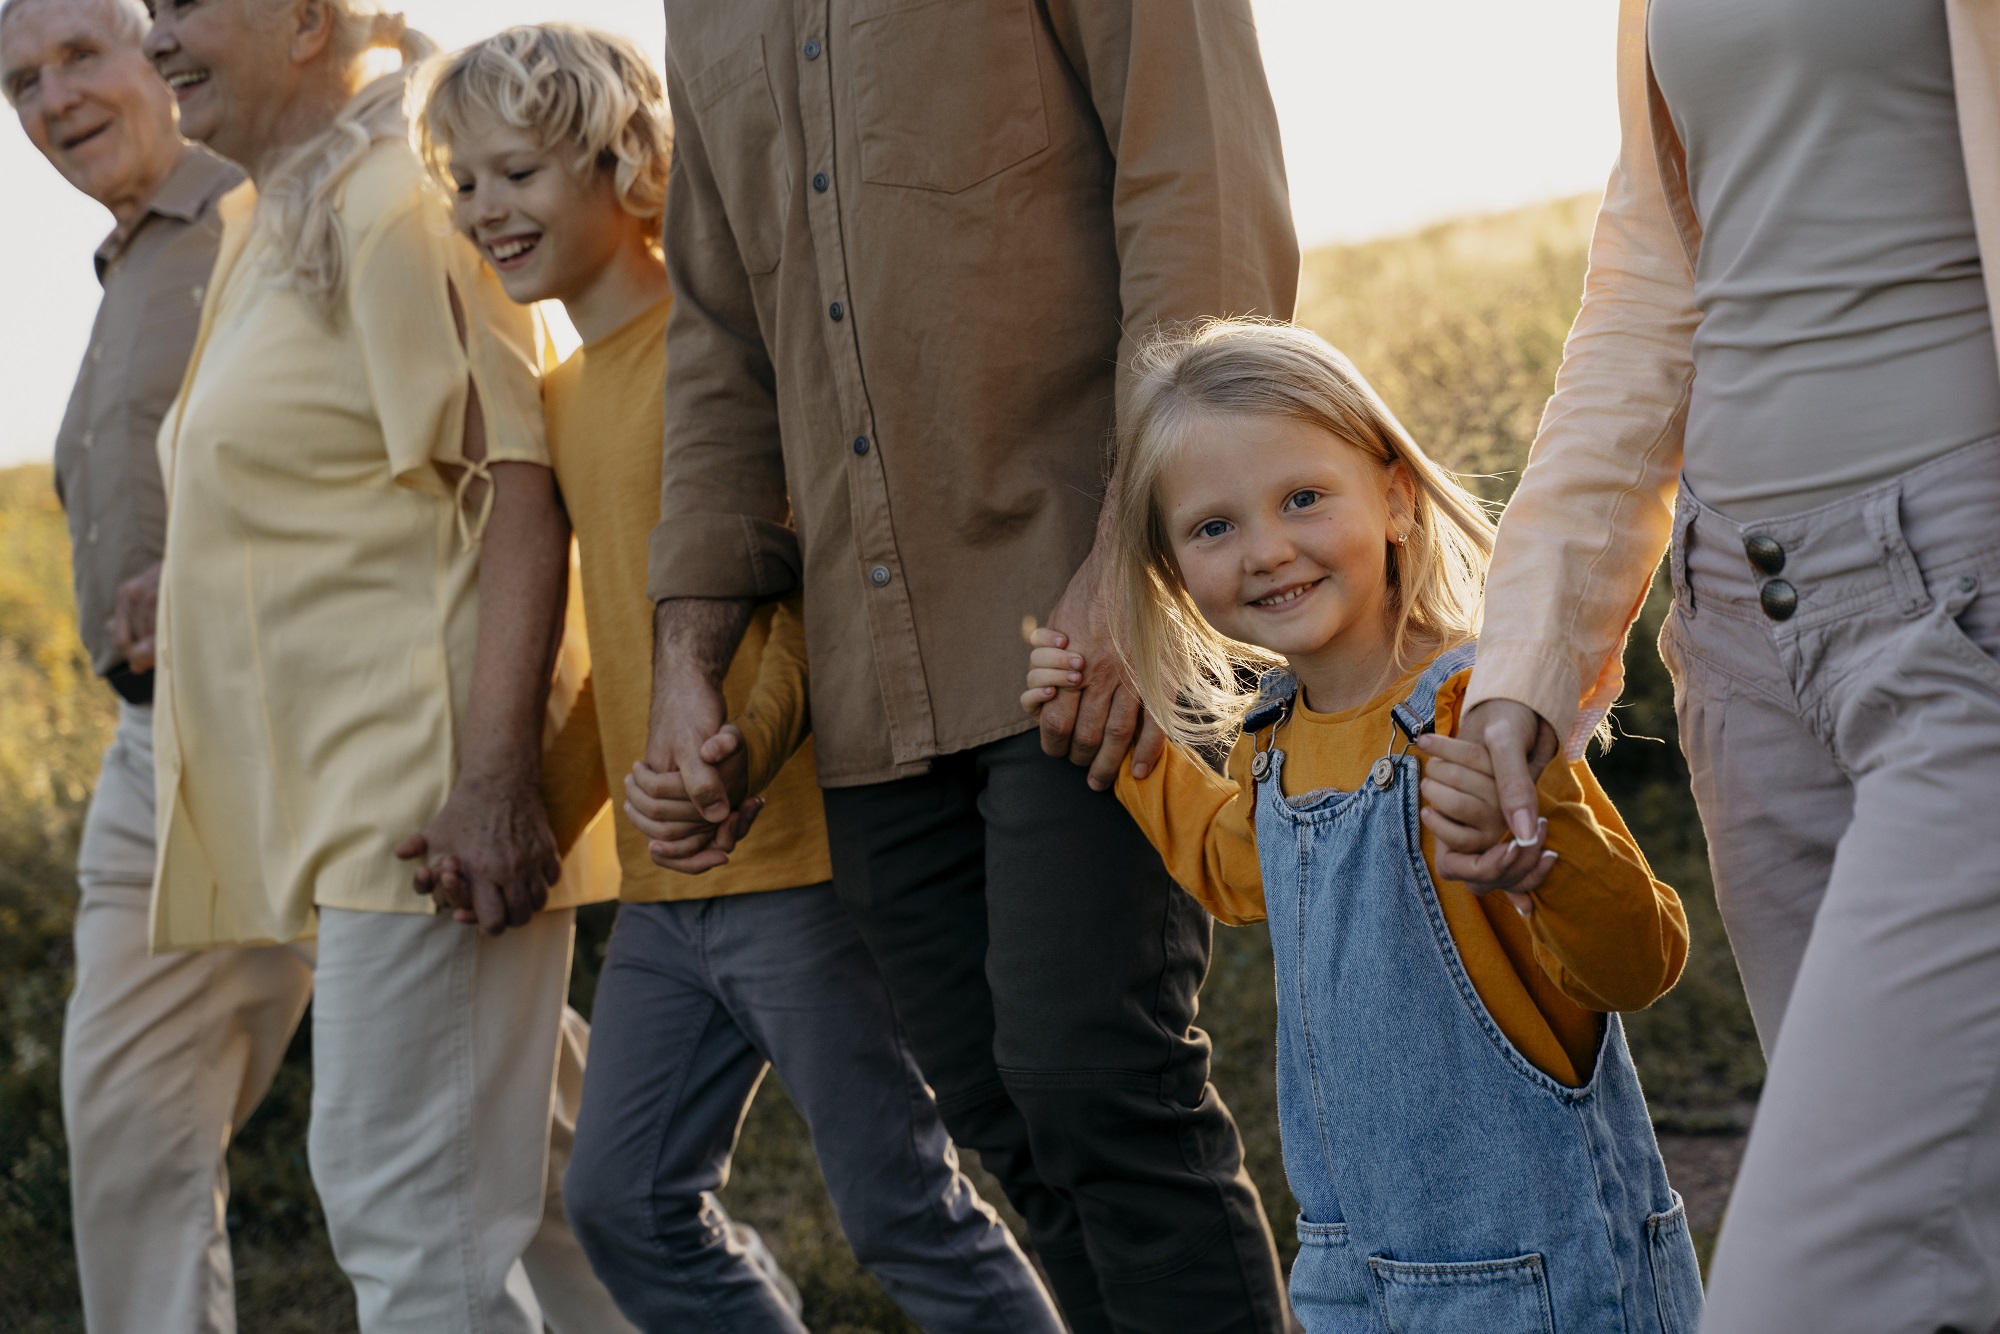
1780 600
1764 552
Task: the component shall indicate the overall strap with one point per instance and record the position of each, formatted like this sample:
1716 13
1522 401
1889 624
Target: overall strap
1416 714
1275 693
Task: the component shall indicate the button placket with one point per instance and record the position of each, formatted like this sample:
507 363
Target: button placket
891 621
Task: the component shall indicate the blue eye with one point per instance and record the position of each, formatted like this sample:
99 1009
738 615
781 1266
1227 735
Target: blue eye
1300 500
1213 528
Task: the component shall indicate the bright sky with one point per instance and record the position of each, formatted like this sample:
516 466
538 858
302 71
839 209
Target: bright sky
1394 115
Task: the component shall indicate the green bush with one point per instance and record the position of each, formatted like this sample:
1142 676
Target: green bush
1460 327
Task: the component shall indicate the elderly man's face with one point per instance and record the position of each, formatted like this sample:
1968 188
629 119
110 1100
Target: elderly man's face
86 94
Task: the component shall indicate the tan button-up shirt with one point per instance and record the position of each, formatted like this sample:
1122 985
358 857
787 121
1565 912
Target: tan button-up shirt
107 468
1595 506
912 244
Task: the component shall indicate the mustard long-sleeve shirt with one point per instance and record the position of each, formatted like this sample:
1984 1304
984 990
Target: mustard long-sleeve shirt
1605 935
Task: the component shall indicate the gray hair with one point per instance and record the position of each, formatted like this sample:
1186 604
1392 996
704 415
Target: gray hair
128 17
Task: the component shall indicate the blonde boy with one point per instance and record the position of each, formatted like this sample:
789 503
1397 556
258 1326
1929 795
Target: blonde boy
555 140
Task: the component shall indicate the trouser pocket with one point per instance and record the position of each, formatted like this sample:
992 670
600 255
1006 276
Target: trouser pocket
1491 1296
1676 1272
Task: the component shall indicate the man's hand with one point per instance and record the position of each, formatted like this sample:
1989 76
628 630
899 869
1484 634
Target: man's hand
134 619
679 837
489 857
1098 720
694 640
1462 812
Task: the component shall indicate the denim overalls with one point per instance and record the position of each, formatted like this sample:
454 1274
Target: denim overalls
1447 1185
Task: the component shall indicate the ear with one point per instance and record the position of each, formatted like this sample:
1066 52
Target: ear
312 30
1402 498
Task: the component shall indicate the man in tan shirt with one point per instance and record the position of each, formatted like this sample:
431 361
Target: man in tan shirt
162 1058
911 245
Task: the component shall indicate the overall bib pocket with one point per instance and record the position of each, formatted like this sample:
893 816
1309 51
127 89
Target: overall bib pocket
1676 1272
947 93
1491 1296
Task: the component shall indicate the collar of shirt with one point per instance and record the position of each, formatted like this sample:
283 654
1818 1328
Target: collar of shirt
191 188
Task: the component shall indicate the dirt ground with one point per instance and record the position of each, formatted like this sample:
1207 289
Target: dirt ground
1703 1168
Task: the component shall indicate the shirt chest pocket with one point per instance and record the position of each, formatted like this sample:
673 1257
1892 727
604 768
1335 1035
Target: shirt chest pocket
738 115
947 93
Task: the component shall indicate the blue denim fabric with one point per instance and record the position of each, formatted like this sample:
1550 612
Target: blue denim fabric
1447 1185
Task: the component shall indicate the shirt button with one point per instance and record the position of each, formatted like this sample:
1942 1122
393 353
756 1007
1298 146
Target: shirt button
820 181
97 352
89 439
879 576
837 311
861 444
812 49
91 536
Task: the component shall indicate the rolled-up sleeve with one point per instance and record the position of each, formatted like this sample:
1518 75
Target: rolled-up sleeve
724 528
1201 210
1593 512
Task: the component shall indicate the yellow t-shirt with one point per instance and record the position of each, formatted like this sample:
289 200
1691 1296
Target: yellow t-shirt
1605 935
319 599
605 424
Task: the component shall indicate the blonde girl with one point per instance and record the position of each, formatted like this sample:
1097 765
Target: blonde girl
1462 1124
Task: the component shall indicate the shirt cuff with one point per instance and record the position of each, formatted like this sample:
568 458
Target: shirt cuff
1540 676
722 556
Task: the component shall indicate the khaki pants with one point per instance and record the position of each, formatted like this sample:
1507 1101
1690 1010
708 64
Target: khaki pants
164 1058
1846 760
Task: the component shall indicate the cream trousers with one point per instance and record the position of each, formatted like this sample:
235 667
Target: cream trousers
164 1059
1840 711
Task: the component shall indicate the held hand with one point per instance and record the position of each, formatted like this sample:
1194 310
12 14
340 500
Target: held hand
1521 744
680 837
489 856
1096 718
1462 812
134 619
688 714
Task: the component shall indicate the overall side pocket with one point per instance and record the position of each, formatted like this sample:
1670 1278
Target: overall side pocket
1676 1272
1490 1296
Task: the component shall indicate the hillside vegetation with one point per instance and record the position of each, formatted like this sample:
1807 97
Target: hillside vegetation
1461 328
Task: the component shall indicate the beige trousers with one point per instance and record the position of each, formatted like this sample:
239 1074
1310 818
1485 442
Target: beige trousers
438 1054
164 1058
1846 760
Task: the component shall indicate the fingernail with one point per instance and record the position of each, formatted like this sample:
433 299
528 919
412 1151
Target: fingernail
1550 856
1141 770
1523 826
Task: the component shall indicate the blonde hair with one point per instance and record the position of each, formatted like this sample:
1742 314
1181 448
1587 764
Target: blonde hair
297 205
567 87
1193 679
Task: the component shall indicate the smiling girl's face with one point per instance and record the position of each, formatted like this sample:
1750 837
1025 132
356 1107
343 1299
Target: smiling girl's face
1282 532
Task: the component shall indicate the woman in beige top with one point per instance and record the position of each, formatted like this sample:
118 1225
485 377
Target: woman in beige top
359 610
1784 371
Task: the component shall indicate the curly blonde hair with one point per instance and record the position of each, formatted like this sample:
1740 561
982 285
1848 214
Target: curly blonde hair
568 87
1193 679
299 203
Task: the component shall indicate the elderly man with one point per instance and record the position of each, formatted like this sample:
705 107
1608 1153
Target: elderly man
910 245
162 1058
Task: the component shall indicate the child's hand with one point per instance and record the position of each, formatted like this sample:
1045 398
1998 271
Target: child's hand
1462 811
679 838
1052 667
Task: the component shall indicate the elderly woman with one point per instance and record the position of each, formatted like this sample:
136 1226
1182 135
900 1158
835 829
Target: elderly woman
1785 370
348 663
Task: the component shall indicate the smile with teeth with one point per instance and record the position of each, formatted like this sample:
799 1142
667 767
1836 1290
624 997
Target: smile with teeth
1286 596
512 247
181 80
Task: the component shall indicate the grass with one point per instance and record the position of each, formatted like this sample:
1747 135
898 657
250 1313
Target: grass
1460 326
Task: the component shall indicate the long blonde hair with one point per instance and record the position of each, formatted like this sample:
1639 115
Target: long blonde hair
297 205
567 87
1193 679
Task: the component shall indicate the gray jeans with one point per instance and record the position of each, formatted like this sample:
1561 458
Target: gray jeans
699 999
1846 760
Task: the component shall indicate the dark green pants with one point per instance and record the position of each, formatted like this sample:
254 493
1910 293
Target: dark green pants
1046 969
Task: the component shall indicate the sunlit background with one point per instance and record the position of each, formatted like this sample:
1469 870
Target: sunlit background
1394 115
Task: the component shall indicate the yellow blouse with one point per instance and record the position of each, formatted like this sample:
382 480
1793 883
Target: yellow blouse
1605 935
606 418
319 599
